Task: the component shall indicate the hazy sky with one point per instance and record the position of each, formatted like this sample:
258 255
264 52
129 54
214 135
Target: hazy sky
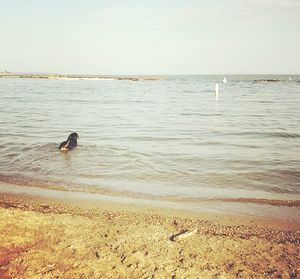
150 37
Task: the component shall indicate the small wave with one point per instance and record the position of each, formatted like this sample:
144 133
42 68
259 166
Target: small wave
24 181
266 134
207 91
154 139
289 203
274 202
201 114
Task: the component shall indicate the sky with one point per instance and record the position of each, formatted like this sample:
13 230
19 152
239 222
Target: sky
150 37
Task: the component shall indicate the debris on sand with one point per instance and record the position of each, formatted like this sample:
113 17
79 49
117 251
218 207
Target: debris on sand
182 235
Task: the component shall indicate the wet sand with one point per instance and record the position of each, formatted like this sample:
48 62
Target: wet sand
50 238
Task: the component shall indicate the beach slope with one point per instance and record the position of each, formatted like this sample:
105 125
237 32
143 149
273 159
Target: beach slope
49 239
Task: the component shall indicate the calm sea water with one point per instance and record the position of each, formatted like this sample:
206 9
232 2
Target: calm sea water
168 137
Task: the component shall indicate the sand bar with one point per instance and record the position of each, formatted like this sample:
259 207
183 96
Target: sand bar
78 77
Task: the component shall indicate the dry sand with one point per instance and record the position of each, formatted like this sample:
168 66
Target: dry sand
43 238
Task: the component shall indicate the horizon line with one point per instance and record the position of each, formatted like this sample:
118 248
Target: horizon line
5 72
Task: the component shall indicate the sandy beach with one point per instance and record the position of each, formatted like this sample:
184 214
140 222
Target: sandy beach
48 238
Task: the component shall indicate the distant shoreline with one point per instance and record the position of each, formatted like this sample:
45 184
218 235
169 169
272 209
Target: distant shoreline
77 77
267 78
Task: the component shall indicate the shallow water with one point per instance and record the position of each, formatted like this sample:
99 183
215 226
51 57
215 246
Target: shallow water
167 137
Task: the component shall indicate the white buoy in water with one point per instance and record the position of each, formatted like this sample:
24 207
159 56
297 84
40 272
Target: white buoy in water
217 91
224 80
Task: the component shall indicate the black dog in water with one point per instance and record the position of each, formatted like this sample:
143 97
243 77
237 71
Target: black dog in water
70 143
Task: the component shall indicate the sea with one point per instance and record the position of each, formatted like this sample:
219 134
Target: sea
168 139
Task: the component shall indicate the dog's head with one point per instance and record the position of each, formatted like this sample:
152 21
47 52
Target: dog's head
73 136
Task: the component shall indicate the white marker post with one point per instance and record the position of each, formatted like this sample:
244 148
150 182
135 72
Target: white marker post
217 91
